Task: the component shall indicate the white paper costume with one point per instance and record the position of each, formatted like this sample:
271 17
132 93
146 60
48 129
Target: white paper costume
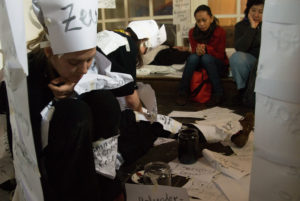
110 41
149 29
67 21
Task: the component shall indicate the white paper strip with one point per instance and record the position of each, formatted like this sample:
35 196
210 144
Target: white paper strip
273 182
107 3
279 12
105 156
277 130
278 70
68 21
15 70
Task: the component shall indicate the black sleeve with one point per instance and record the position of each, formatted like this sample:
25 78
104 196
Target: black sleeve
4 109
124 61
244 36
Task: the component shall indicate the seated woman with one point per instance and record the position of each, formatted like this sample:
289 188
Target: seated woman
207 41
125 49
247 45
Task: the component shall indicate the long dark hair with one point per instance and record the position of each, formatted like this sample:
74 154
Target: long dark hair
204 36
139 59
251 3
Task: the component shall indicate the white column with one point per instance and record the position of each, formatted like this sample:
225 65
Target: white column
31 30
276 162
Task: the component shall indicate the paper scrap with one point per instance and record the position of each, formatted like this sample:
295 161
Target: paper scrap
235 190
162 140
204 190
200 169
106 3
105 156
226 164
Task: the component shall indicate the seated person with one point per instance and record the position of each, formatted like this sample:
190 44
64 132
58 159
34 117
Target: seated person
58 67
207 40
247 45
126 55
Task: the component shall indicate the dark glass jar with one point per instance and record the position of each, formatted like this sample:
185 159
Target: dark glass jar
188 143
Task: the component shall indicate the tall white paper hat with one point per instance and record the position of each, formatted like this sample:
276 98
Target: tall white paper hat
71 24
149 29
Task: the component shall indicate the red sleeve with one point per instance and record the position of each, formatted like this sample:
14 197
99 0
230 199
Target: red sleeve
216 45
193 43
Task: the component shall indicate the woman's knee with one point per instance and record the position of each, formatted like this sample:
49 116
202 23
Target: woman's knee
193 59
105 111
238 59
70 123
72 110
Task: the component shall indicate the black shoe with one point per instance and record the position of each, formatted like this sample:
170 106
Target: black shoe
182 98
237 100
214 101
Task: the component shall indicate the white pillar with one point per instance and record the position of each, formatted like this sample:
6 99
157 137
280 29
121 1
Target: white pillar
276 162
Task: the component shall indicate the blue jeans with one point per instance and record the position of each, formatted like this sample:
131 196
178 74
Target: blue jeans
212 65
241 64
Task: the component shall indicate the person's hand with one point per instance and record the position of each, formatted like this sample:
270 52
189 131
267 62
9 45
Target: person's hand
253 23
61 88
181 48
200 49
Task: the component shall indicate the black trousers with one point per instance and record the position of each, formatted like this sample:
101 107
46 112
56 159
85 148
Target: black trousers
68 158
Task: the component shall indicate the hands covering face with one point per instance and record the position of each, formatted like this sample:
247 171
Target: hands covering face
253 23
200 49
61 88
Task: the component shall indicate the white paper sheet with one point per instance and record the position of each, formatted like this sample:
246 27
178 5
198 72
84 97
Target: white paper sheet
15 70
155 192
278 68
109 41
212 112
228 165
101 78
201 169
228 124
273 181
12 41
276 11
204 190
107 3
181 11
148 98
162 140
235 190
212 133
105 156
168 123
278 125
68 21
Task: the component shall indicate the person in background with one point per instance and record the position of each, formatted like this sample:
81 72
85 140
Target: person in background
247 44
207 40
125 49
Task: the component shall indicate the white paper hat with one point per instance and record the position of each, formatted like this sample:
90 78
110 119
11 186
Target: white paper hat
71 24
149 29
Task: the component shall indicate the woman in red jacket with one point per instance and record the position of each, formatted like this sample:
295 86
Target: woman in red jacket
207 41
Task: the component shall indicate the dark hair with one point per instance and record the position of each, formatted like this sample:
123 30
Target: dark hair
208 10
251 3
139 59
203 8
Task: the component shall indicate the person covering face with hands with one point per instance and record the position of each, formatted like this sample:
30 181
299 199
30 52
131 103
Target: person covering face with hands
247 41
68 116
